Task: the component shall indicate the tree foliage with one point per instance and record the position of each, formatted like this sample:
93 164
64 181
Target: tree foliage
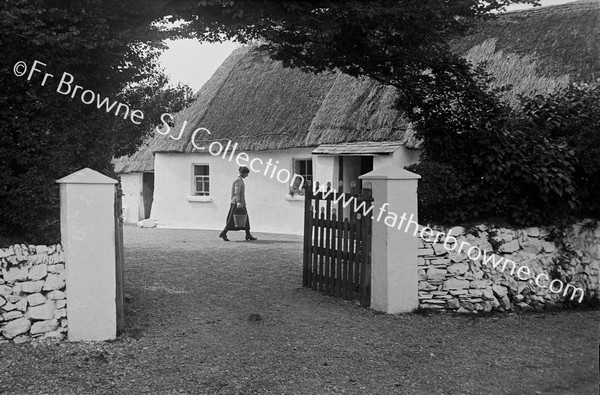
111 49
571 116
155 97
526 166
391 41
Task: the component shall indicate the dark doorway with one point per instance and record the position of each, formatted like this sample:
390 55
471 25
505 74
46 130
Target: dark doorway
147 193
366 165
353 166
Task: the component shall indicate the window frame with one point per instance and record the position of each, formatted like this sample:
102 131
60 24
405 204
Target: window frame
294 161
194 181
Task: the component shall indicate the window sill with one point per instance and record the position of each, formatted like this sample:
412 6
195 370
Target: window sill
199 199
293 198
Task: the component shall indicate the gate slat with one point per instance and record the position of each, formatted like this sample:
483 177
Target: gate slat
315 242
365 262
306 272
322 245
351 258
339 255
344 279
358 258
327 278
339 244
334 252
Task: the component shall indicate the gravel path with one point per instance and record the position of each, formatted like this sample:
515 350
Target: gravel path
192 328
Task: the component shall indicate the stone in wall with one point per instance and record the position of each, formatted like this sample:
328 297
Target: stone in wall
5 290
458 268
436 274
36 299
54 282
14 274
37 272
43 327
11 315
56 295
32 287
456 283
15 328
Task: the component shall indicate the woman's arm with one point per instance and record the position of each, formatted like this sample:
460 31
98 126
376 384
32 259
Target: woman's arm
237 193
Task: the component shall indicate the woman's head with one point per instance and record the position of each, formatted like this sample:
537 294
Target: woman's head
244 171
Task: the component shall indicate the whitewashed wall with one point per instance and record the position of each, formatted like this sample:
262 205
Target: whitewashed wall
326 169
132 197
403 157
174 204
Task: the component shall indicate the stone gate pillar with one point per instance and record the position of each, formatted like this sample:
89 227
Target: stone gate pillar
394 274
87 228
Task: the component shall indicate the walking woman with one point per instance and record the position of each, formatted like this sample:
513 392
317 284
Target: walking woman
238 202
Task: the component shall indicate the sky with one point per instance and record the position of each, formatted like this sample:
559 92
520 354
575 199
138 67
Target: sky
193 63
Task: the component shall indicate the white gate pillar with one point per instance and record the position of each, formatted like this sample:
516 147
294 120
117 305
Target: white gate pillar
394 274
87 230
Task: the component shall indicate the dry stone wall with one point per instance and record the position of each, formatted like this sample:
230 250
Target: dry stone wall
32 293
452 281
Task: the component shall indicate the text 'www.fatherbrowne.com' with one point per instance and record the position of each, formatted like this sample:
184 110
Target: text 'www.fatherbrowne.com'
452 244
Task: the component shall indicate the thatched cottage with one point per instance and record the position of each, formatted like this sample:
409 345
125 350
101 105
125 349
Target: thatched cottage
326 127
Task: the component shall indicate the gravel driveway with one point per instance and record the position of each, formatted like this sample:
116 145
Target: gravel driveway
211 317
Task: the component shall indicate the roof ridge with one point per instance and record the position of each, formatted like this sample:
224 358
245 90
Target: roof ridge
578 4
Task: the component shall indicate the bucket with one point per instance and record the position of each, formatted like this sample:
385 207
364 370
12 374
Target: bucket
239 218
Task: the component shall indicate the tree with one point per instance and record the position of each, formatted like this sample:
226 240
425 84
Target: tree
155 97
109 48
394 42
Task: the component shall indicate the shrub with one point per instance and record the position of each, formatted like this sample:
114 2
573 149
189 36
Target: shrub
443 193
481 159
572 116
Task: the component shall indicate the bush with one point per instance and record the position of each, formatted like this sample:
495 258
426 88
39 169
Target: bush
572 116
482 159
443 193
525 181
532 179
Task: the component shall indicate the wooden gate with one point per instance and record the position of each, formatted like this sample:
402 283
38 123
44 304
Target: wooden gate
337 250
120 257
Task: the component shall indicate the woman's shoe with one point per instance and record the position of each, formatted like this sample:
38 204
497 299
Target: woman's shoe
224 237
250 237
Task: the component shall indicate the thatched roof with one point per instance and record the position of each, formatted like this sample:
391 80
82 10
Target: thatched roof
260 105
141 161
563 39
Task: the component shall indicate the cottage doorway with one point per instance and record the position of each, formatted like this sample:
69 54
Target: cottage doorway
351 167
147 194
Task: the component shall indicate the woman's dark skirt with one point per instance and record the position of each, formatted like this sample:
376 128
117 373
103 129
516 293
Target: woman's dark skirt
231 223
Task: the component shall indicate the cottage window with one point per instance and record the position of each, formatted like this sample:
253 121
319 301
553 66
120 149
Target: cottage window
304 168
201 180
